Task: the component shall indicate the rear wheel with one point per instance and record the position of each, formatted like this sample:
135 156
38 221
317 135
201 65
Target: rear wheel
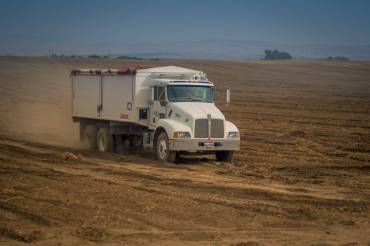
137 142
89 137
162 151
225 156
104 140
119 143
127 143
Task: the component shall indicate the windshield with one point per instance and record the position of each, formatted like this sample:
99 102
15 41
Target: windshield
190 93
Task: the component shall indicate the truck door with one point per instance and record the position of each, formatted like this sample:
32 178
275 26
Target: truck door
158 107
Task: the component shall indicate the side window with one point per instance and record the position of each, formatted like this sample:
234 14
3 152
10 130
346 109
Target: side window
159 93
155 97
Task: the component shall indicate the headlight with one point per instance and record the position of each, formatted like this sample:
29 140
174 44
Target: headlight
181 135
233 135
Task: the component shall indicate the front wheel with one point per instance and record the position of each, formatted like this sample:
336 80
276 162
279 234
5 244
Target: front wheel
162 151
226 155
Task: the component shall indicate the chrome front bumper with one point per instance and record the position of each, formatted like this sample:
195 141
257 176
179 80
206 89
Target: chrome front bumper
188 144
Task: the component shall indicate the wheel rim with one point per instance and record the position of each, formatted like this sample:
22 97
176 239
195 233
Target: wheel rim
101 144
88 141
162 149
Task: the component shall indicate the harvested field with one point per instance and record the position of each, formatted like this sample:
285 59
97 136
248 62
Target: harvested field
302 176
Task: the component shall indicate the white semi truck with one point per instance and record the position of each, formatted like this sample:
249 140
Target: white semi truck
167 109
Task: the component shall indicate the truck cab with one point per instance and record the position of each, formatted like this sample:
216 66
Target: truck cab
185 119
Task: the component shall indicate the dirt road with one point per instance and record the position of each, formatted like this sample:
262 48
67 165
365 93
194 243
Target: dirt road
301 178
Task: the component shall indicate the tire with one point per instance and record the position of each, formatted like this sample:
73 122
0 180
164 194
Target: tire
162 151
125 144
89 137
119 146
225 156
137 142
104 140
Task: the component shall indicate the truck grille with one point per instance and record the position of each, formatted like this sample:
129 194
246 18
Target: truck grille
201 128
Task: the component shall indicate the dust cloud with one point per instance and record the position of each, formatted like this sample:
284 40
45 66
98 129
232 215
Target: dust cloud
35 102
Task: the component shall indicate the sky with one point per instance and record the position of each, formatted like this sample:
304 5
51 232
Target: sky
35 26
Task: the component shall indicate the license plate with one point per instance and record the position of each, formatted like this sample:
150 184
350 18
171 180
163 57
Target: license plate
209 144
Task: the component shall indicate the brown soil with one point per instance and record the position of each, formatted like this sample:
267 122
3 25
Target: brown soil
302 176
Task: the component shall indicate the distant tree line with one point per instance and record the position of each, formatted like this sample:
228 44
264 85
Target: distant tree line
277 55
100 56
65 56
337 58
129 57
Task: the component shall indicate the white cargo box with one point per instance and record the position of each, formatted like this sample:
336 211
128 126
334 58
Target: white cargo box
118 94
102 95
